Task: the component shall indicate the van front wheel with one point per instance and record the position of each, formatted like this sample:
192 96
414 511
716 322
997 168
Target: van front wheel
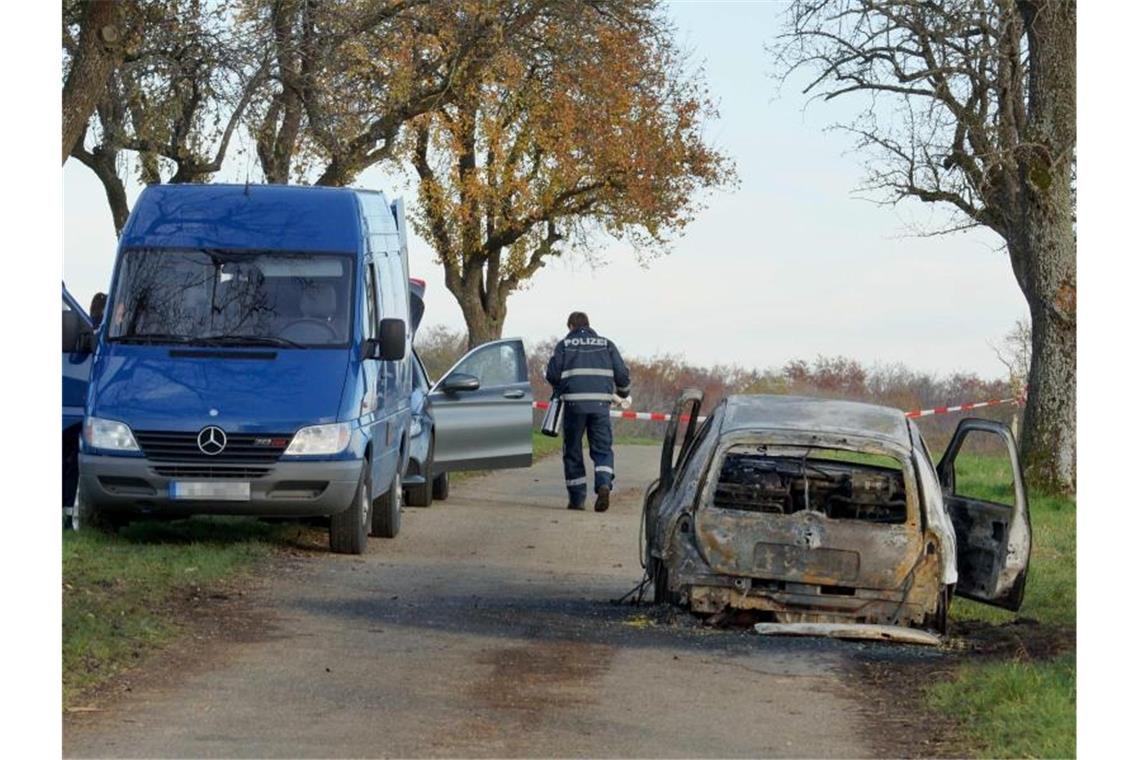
348 530
386 512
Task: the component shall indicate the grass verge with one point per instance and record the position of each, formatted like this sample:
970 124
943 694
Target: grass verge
125 595
1022 703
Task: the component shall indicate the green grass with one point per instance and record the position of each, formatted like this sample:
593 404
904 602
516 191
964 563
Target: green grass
1020 707
636 440
121 592
1015 709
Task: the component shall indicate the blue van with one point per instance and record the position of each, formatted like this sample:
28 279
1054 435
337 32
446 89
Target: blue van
253 358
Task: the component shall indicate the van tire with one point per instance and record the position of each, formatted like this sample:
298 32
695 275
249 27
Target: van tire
440 486
386 511
421 495
348 530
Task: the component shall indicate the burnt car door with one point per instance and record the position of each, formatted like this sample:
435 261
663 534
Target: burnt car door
671 459
993 538
482 410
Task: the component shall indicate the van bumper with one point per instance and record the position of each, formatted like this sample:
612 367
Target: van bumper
131 485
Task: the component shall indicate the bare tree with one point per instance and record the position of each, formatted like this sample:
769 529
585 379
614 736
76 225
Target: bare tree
1016 352
348 75
96 46
972 104
175 103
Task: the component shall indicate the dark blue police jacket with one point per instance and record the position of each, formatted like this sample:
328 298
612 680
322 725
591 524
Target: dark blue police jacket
586 370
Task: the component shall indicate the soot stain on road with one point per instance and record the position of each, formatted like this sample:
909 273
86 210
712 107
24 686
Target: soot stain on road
540 675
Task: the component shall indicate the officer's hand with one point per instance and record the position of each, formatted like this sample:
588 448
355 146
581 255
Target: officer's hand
624 403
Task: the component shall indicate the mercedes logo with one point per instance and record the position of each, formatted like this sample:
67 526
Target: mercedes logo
212 440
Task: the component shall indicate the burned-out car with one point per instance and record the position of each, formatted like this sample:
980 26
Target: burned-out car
814 511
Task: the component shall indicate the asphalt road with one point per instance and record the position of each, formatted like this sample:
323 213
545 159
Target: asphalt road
486 629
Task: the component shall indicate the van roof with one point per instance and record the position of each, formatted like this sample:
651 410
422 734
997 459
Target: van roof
274 217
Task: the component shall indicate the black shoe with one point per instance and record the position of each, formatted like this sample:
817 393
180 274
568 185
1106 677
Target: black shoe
603 502
576 507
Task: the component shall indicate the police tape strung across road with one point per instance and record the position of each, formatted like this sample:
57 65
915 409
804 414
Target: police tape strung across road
912 414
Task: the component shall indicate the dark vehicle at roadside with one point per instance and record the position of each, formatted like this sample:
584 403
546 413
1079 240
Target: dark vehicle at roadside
77 328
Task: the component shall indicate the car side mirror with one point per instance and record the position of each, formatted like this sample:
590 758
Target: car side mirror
392 343
76 334
460 382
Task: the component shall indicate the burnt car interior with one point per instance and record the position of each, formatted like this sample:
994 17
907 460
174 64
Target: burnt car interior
781 480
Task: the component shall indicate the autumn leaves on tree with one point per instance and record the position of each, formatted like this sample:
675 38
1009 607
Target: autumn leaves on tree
587 124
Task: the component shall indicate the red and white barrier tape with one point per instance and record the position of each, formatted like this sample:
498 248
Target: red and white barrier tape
912 414
630 415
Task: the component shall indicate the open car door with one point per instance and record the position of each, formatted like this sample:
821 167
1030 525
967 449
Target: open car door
690 400
993 538
482 410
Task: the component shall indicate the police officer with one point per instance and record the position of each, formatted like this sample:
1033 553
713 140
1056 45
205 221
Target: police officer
586 370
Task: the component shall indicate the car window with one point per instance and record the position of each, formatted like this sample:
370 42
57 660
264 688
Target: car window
190 294
982 469
494 364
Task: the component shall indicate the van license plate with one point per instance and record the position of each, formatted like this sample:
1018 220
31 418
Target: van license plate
218 491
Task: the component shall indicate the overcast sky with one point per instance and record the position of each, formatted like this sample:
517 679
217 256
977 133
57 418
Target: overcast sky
790 265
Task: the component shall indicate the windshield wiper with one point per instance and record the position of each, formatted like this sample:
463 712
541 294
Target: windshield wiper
247 340
151 338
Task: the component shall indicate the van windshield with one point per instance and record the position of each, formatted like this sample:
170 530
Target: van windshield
213 297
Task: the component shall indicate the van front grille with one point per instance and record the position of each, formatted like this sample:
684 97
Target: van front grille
243 448
211 471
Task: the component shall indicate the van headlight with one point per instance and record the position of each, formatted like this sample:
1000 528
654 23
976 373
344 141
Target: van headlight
320 439
108 435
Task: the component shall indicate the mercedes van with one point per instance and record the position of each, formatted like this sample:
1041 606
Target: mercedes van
254 359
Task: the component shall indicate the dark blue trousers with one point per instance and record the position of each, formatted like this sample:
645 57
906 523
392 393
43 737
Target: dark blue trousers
596 426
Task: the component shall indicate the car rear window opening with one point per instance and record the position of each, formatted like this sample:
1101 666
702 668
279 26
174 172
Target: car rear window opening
836 483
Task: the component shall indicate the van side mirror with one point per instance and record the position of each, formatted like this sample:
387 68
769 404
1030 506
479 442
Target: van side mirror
98 306
393 337
76 334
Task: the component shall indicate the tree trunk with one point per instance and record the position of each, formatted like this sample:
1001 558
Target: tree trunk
1046 264
1043 245
100 51
102 161
1049 437
484 315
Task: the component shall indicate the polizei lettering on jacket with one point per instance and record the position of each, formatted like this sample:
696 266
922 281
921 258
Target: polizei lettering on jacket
576 342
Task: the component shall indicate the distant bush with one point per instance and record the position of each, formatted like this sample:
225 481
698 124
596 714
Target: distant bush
658 380
439 348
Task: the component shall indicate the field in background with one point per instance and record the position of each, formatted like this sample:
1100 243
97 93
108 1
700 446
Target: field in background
657 381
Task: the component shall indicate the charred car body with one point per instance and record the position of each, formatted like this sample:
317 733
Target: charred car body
818 511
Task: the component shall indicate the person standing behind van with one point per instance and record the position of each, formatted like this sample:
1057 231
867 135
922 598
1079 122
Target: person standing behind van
585 371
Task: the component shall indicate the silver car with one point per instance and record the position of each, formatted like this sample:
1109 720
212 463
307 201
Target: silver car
477 417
